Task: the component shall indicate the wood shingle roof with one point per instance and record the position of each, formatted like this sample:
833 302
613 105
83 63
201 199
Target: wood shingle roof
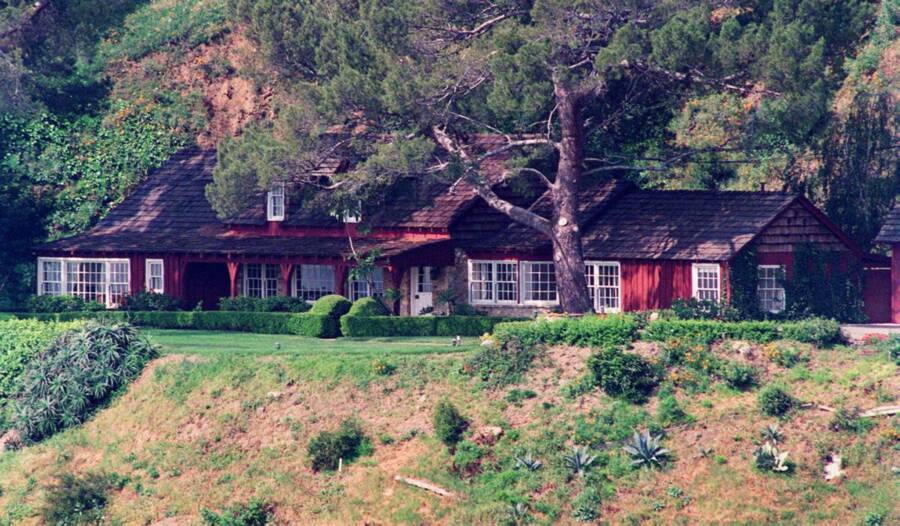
890 232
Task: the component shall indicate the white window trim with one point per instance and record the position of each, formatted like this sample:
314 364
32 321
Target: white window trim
270 203
64 274
297 277
535 303
147 265
494 291
263 276
783 291
370 291
695 278
618 265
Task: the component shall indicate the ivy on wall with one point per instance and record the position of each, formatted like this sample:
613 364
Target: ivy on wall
743 278
824 283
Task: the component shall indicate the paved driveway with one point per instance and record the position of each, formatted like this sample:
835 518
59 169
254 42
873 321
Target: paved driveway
856 332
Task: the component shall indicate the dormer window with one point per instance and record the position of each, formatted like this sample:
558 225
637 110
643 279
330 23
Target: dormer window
275 203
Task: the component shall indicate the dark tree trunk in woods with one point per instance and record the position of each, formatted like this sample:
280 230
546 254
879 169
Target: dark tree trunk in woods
568 256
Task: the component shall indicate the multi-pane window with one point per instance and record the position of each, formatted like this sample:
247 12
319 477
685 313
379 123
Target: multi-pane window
371 284
154 276
105 281
423 280
311 282
493 282
770 288
275 203
604 286
706 282
538 282
51 277
261 281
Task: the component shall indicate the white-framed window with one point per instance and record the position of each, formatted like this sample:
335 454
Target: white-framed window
311 282
153 276
368 285
260 280
275 203
423 280
493 282
770 288
105 281
539 283
706 282
604 280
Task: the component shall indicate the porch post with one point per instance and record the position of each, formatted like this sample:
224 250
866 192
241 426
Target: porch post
397 284
286 277
232 277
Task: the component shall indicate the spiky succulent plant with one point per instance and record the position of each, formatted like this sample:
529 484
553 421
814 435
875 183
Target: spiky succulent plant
768 458
773 434
645 450
517 513
529 462
580 460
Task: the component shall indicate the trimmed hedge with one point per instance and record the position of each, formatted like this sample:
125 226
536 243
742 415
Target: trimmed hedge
333 305
368 307
375 326
303 324
815 330
587 331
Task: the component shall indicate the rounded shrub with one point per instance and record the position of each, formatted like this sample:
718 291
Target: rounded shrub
333 305
775 401
328 447
449 424
368 307
623 375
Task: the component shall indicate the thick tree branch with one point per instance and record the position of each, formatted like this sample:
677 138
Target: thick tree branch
9 38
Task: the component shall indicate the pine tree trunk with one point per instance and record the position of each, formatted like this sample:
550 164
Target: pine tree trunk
568 255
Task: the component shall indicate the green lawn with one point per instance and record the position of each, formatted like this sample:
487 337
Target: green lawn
220 342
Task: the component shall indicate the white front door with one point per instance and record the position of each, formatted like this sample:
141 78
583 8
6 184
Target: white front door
420 291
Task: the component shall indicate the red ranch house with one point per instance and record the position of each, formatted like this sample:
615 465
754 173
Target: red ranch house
644 249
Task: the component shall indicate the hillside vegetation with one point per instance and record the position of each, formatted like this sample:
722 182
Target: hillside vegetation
210 431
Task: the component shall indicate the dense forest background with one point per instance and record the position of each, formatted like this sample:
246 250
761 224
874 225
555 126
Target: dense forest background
94 95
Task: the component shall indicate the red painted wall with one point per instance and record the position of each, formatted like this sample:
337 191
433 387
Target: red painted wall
654 284
895 283
877 295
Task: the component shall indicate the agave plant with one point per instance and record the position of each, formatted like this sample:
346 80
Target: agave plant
518 513
528 462
768 458
773 434
579 460
645 450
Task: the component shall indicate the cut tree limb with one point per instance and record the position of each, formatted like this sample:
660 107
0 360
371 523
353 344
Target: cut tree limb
424 484
884 410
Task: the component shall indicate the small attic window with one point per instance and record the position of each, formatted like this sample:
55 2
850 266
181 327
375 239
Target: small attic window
275 203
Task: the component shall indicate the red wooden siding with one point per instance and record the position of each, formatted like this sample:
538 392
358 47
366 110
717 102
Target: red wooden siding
895 283
877 294
654 284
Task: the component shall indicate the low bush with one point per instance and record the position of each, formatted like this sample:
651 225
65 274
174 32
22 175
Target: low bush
845 419
586 506
78 372
327 448
332 305
739 376
669 412
20 341
815 330
368 307
694 309
253 513
150 301
76 500
623 374
467 458
47 303
587 331
270 304
499 365
449 424
774 401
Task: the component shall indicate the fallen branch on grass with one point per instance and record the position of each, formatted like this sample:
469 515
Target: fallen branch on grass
423 484
884 410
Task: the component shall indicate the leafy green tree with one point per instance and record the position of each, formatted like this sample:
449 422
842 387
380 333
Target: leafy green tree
699 90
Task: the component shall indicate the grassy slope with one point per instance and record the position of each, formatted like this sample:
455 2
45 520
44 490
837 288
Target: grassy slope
210 430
